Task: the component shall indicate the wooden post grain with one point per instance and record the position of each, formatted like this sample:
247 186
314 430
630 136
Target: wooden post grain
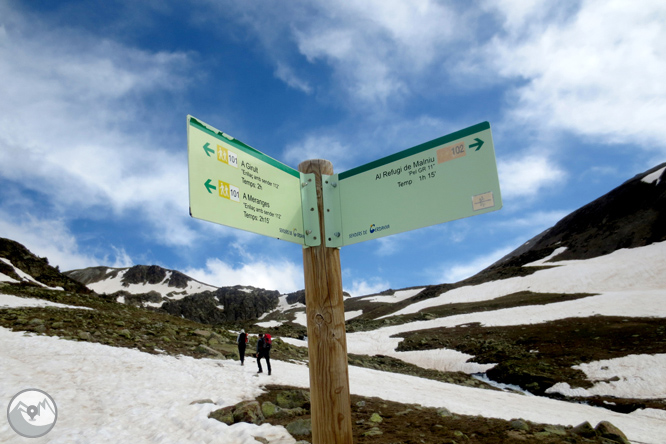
327 343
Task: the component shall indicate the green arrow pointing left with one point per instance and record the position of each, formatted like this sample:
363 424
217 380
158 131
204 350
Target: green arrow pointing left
478 144
208 150
210 186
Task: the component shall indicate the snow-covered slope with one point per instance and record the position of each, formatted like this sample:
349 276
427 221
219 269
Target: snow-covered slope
638 290
140 279
110 395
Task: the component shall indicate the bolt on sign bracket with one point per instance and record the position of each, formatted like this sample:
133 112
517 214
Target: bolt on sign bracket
310 211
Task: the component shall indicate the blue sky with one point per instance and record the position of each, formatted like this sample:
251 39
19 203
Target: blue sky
94 97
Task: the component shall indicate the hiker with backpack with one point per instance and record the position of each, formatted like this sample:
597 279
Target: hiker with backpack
242 343
264 351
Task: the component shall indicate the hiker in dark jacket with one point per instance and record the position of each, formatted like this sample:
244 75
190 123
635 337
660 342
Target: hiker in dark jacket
242 343
263 351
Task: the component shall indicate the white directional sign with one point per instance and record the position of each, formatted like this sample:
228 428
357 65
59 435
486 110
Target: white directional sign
233 184
448 178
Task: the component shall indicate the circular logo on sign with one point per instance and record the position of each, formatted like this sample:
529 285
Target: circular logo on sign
32 413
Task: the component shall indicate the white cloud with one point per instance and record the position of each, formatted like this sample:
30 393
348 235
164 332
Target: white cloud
319 147
68 124
596 70
375 46
122 259
271 274
285 73
51 238
526 176
452 273
535 221
361 287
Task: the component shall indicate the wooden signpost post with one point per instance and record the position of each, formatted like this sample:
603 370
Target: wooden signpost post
327 342
233 184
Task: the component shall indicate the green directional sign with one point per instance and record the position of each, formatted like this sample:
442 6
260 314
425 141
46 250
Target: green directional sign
231 183
448 178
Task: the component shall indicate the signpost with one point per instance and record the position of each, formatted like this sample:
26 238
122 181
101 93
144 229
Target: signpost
448 178
230 183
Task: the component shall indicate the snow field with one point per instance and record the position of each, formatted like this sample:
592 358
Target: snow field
110 395
636 269
8 301
640 376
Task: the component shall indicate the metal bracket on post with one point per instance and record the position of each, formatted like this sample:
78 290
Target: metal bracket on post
310 213
332 213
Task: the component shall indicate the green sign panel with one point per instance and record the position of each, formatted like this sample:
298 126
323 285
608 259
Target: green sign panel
231 183
448 178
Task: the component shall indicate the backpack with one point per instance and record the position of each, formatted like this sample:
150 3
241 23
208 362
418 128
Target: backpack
267 342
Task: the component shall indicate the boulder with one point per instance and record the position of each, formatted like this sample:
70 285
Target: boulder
376 418
248 411
225 415
444 412
585 430
300 427
519 424
607 430
269 409
290 399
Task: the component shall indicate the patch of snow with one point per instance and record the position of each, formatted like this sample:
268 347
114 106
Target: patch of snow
301 318
352 314
640 376
282 307
557 252
380 342
635 269
650 413
120 299
398 296
246 290
8 301
295 342
5 278
269 324
654 177
25 277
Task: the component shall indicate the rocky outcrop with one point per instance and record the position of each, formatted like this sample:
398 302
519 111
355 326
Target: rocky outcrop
632 215
227 304
296 297
37 267
154 274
